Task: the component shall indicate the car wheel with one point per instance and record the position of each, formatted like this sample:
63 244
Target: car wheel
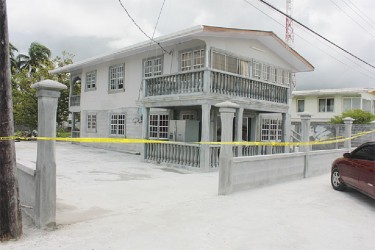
336 181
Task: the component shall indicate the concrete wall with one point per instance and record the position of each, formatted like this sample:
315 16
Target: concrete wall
264 170
26 182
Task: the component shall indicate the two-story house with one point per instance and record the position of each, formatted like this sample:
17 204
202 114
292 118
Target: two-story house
168 91
323 104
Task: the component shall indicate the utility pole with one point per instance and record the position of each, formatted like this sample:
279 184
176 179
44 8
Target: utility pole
10 212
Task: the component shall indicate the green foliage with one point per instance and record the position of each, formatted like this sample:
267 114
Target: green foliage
25 103
360 116
63 134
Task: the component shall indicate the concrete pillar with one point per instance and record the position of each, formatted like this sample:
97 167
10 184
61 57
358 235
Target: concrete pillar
205 137
286 126
239 118
305 131
348 121
48 92
145 127
227 110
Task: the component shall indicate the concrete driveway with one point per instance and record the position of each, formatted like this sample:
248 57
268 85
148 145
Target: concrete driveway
112 200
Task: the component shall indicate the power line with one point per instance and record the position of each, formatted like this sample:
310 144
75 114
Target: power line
360 25
325 39
157 21
325 52
359 14
364 14
135 23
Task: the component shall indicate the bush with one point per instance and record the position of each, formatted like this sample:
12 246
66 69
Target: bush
360 116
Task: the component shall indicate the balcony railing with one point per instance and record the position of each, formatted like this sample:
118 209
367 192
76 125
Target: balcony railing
219 83
75 100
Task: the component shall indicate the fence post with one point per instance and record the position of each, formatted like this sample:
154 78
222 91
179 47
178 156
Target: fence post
48 92
348 121
227 110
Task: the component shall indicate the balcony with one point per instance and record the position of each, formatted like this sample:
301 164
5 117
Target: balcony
214 82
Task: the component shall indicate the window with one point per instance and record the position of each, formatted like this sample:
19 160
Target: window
117 124
286 78
158 126
188 115
152 67
366 105
91 80
116 77
244 68
326 104
280 76
228 63
300 105
91 122
365 153
256 69
193 59
271 130
351 103
218 61
273 74
265 72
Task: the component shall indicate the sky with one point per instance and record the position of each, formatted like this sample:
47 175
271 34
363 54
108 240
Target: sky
87 28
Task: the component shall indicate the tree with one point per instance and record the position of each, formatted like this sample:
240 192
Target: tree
360 116
10 212
25 101
38 57
13 59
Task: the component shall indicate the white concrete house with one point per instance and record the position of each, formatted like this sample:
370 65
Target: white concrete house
168 92
324 104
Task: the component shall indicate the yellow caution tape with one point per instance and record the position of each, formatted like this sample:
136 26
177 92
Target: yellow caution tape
148 141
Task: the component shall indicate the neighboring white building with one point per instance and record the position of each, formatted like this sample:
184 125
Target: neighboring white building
141 91
324 104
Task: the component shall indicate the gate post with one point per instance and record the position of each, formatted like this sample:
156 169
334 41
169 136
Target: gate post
48 92
227 110
305 131
348 121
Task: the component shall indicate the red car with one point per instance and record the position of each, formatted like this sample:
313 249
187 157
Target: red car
356 170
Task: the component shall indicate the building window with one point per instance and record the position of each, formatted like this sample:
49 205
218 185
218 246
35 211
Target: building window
351 103
152 67
326 104
188 115
158 126
228 63
273 74
116 77
279 76
286 78
256 69
271 130
91 80
193 59
366 105
265 72
91 122
117 124
300 105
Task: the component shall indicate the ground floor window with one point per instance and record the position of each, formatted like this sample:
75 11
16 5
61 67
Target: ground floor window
271 130
91 122
117 124
158 126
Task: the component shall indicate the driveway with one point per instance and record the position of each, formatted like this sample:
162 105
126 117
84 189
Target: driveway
112 200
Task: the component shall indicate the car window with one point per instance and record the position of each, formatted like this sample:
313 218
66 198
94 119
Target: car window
365 153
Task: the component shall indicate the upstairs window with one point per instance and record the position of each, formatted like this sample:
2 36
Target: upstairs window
286 78
326 104
193 59
273 74
280 76
91 80
265 72
116 77
229 63
300 105
256 69
117 125
152 67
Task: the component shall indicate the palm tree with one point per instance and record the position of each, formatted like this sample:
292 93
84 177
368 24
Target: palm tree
13 59
38 56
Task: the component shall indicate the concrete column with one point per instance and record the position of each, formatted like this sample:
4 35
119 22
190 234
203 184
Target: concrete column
305 131
205 137
145 123
286 126
48 92
348 121
239 118
227 110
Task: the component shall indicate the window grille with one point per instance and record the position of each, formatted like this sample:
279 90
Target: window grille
116 77
118 124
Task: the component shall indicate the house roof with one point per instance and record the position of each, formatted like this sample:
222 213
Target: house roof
333 91
268 38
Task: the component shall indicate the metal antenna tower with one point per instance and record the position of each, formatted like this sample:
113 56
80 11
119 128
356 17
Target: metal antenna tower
289 35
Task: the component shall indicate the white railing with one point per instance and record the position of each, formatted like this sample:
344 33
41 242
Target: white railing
182 154
214 156
220 82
